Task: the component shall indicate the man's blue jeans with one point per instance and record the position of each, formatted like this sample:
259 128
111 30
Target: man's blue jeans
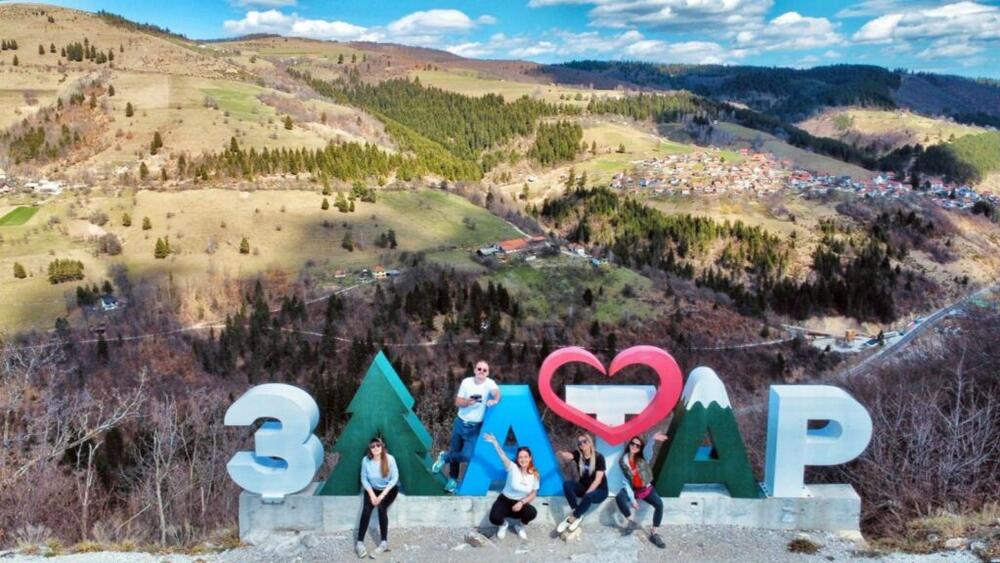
463 440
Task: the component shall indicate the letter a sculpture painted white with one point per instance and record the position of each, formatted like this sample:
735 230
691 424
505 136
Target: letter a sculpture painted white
791 445
286 453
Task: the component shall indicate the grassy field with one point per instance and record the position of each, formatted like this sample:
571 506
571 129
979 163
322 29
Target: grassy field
550 288
176 107
18 216
799 157
287 230
638 145
471 83
893 128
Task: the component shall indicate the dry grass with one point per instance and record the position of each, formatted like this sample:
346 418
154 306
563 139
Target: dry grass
472 83
890 128
799 157
423 220
804 546
142 51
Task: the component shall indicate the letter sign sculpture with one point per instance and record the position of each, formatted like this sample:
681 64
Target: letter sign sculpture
704 411
610 404
516 412
286 453
662 363
382 406
791 445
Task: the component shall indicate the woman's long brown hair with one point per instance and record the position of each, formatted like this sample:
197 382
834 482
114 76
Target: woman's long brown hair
384 461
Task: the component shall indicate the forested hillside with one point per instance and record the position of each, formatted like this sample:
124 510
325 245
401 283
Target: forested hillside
790 94
449 132
852 272
967 159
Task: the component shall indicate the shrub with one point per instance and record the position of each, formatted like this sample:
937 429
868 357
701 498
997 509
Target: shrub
110 245
64 269
19 271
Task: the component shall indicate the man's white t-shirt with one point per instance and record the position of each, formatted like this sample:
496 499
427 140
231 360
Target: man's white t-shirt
474 412
519 484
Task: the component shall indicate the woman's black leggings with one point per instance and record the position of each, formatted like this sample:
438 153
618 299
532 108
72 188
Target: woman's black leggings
383 513
503 508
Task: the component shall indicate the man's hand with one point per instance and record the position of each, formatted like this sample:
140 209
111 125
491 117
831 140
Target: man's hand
491 402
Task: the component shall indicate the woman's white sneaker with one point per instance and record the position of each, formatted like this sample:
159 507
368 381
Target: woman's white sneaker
521 532
575 524
502 530
564 525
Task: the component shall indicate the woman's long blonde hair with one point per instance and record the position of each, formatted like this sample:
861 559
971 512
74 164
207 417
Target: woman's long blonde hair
592 463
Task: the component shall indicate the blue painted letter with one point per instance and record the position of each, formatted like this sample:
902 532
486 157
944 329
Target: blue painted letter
516 411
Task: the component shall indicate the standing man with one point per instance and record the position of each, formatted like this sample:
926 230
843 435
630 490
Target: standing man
474 395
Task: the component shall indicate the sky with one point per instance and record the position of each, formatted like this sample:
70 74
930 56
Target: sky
960 37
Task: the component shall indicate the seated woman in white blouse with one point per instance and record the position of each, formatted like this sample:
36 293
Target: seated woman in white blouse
521 488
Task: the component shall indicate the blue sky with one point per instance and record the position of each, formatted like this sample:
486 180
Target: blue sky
952 37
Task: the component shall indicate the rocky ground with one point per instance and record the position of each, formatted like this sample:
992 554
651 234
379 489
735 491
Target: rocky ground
598 544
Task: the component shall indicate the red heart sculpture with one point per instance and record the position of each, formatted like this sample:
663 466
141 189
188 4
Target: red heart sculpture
663 402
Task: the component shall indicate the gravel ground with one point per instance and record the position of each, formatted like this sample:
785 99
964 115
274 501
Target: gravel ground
598 545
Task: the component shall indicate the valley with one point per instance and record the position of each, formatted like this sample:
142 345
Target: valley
183 218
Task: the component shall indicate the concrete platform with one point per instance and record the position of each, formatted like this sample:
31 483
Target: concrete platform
832 508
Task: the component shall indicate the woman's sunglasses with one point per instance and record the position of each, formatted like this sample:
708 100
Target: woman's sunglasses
635 444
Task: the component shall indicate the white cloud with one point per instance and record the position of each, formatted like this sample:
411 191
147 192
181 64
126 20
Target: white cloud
831 54
471 50
431 22
966 20
264 3
423 28
274 21
791 31
670 15
878 7
944 50
692 52
539 48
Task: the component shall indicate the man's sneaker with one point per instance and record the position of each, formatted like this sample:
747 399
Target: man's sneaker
382 547
439 463
564 525
657 541
521 532
359 548
575 524
450 486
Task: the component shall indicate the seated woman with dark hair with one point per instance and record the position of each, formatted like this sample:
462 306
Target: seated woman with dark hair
379 477
639 486
521 488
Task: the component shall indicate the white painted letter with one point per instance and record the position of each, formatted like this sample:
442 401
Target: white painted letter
610 404
791 445
287 454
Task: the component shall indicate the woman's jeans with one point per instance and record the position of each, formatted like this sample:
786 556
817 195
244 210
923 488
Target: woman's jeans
652 499
575 490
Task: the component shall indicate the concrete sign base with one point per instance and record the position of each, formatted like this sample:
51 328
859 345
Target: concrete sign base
832 508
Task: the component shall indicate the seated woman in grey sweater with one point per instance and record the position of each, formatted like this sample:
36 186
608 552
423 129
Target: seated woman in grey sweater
379 477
